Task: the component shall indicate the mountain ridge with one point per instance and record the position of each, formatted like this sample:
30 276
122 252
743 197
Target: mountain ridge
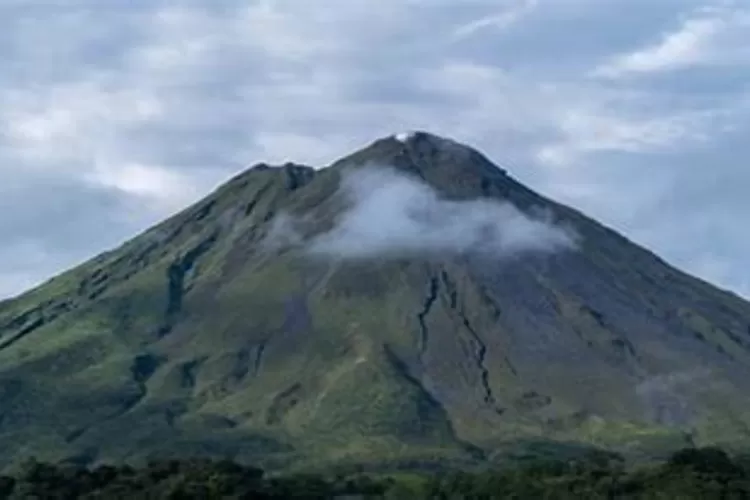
282 318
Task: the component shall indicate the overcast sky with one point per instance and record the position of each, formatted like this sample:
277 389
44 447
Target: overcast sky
114 114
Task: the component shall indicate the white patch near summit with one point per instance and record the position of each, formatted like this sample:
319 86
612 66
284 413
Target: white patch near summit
436 139
404 136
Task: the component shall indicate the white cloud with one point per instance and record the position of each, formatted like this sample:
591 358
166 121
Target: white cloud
77 112
507 17
585 132
152 182
393 215
679 49
709 38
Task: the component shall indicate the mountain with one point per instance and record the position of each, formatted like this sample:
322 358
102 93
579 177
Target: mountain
409 303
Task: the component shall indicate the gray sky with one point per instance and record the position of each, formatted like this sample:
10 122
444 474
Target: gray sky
115 114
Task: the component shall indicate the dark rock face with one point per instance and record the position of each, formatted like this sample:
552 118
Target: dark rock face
221 331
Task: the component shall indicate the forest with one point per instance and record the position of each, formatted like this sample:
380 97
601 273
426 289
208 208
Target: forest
693 473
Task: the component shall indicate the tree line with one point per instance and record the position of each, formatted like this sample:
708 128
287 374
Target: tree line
695 473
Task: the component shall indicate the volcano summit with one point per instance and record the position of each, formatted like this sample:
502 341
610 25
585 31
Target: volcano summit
410 302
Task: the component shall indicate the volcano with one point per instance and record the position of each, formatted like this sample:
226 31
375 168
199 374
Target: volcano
411 302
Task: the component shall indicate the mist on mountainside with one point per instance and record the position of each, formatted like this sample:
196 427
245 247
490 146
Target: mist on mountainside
393 214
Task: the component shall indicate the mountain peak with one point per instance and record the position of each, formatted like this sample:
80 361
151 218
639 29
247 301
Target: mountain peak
404 136
262 323
453 168
423 140
410 136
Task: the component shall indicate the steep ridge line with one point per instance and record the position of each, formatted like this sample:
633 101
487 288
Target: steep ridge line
400 367
46 313
258 196
480 354
12 339
430 299
176 274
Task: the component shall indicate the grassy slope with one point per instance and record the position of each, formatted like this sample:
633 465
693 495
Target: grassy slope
196 338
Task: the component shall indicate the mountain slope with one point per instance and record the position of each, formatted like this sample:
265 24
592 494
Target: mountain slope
410 302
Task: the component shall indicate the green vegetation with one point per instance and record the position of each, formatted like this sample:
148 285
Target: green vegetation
203 337
704 474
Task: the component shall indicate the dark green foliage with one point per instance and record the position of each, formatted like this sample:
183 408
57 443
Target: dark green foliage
709 460
705 474
164 479
172 479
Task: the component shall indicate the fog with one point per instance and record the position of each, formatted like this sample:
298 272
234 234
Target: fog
391 214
